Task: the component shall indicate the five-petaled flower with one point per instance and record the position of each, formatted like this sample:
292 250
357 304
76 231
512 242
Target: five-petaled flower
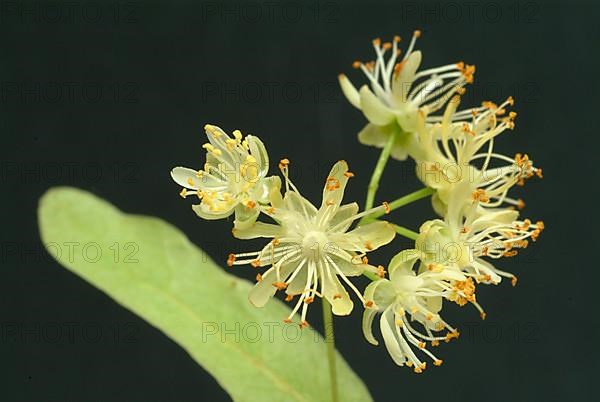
233 179
451 153
407 299
312 253
465 238
399 93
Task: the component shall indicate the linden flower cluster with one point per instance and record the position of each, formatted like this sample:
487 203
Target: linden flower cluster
314 250
455 159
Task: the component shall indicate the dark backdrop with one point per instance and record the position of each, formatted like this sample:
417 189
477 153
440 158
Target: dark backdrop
109 96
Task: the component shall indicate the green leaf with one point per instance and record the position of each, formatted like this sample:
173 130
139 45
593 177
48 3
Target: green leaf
151 268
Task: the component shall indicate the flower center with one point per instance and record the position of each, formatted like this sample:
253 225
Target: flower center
313 244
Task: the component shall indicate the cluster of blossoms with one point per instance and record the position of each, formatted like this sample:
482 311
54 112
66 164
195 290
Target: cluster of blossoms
313 251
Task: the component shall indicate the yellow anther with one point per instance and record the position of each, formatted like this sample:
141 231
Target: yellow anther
231 143
539 173
386 207
489 105
466 128
417 33
451 335
332 184
237 134
376 42
280 285
480 195
467 70
369 303
259 277
183 193
230 260
349 174
284 163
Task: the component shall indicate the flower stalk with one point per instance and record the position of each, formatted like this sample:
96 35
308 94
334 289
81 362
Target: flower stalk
402 201
330 342
409 234
376 177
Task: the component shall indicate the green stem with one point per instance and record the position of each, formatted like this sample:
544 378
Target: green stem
330 342
402 201
401 230
383 158
371 275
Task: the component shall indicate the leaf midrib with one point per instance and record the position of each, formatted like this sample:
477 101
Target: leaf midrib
280 382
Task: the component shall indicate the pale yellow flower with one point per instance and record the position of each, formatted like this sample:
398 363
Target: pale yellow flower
453 152
466 239
410 305
397 93
313 252
233 179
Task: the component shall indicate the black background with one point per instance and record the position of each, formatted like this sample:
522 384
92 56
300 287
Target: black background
109 96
